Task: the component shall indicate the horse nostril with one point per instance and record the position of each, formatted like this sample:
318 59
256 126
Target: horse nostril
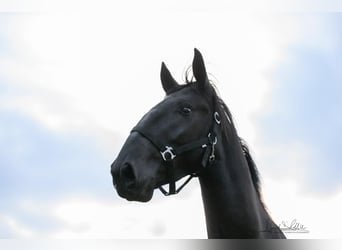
127 175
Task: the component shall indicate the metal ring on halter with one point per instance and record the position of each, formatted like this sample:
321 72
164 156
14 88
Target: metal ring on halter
168 151
212 142
217 117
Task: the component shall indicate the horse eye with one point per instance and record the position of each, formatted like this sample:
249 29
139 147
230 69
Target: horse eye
186 110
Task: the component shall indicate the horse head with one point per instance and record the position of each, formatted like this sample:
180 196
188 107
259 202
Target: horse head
171 141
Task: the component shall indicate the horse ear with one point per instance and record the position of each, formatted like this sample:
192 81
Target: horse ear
199 70
167 80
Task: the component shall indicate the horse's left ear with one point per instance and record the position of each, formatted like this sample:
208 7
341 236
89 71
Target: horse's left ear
199 70
167 80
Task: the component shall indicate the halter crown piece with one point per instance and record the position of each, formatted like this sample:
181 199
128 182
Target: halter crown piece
169 153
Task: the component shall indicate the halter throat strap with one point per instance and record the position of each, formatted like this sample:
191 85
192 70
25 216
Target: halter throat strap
169 153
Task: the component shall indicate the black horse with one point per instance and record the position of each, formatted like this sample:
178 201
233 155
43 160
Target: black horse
191 132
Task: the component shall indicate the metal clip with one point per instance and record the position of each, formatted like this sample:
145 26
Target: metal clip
212 155
168 151
212 141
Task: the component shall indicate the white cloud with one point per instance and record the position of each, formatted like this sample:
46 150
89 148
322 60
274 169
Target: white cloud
171 217
98 68
287 202
15 228
42 67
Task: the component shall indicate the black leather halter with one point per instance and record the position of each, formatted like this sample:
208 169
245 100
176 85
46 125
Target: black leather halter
169 153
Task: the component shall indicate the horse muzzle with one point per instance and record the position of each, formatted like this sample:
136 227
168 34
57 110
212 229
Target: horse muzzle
127 184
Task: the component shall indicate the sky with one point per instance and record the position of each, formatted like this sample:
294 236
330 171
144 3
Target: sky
73 84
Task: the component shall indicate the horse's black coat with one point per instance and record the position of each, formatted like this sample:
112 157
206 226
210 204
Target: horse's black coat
230 186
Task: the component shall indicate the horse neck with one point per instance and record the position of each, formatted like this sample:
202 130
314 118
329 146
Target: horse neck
232 206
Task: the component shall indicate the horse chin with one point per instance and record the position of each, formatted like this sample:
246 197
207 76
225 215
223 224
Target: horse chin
144 196
140 198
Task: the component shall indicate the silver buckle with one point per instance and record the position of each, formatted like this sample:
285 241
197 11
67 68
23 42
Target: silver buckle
168 151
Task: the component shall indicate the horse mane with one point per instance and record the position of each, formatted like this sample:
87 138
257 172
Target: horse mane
230 130
245 149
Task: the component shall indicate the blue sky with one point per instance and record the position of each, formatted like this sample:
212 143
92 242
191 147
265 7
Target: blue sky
305 104
64 115
43 167
36 162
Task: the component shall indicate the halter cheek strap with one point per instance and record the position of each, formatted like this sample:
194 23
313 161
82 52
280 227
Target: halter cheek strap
169 153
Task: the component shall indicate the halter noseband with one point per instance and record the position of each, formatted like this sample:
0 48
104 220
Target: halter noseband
169 153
